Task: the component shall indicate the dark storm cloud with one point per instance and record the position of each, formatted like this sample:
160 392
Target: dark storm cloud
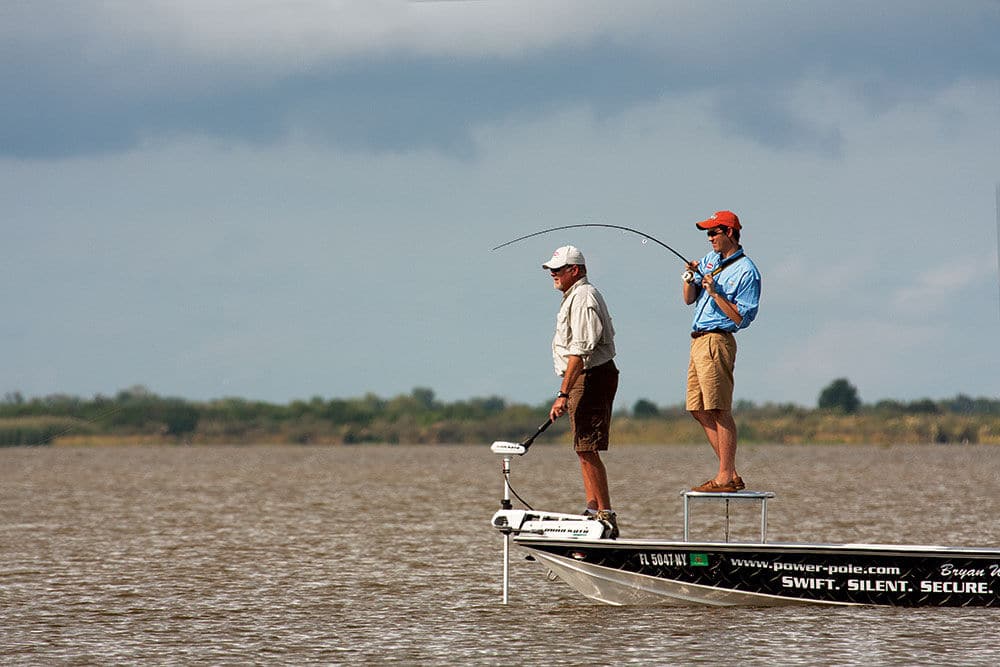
62 101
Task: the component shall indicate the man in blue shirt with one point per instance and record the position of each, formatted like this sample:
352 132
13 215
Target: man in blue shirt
724 287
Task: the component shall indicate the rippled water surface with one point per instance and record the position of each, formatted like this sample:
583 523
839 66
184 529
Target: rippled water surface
381 554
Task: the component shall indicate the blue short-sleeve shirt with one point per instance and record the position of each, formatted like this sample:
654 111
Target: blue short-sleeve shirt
738 282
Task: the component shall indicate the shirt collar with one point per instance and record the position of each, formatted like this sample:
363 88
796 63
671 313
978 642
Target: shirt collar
735 255
581 281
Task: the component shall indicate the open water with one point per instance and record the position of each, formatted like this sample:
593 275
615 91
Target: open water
385 555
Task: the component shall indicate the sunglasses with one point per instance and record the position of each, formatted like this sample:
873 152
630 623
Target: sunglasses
562 268
712 233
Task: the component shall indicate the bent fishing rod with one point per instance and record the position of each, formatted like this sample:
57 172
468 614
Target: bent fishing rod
596 224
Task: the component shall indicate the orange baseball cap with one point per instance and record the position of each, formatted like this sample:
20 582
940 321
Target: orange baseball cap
720 219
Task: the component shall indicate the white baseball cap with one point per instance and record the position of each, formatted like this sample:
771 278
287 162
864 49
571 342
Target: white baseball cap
567 254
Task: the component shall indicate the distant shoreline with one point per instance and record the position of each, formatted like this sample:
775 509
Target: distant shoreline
822 429
137 417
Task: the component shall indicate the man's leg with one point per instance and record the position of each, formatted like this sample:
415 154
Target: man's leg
595 480
720 429
707 421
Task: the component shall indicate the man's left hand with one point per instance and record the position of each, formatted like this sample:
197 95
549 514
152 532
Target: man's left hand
708 282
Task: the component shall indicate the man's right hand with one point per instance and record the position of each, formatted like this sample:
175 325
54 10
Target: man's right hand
559 408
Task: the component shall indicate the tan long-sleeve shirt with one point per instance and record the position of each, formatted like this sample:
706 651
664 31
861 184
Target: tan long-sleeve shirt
583 328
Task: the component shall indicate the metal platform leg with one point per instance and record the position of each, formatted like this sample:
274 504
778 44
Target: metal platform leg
763 520
727 519
686 515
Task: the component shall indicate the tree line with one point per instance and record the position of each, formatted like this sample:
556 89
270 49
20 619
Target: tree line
139 415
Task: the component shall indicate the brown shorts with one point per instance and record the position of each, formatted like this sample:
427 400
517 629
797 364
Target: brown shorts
590 402
710 373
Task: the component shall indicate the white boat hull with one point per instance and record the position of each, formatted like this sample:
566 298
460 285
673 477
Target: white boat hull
617 587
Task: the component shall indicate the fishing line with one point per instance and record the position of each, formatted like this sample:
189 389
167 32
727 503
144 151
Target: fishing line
595 224
998 244
83 422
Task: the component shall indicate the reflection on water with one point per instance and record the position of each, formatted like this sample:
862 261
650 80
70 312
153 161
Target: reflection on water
292 555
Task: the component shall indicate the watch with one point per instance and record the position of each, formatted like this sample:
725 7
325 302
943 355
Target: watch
562 394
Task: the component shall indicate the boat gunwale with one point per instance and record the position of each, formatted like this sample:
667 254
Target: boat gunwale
778 547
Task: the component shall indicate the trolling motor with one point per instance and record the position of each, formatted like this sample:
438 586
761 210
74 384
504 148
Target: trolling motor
508 520
501 447
507 450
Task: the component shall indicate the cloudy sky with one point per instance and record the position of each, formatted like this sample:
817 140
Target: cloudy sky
281 200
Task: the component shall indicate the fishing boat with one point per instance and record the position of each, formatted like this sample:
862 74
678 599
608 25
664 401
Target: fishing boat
576 549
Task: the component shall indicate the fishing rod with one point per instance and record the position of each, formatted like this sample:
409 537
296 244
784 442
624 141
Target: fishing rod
596 224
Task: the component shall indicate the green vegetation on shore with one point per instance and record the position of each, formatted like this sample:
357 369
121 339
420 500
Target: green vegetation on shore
139 416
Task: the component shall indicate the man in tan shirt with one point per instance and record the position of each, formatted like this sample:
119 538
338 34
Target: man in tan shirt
583 351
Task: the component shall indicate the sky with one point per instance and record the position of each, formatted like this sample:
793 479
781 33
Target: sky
286 200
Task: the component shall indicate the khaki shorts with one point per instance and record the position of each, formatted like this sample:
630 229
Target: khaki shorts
589 405
710 373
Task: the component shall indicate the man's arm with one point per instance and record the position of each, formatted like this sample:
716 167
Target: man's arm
727 307
561 404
